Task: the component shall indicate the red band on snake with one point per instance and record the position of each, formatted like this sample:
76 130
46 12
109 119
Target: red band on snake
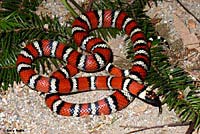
126 83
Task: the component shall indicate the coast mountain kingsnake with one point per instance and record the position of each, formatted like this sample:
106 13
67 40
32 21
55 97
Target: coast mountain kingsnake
127 84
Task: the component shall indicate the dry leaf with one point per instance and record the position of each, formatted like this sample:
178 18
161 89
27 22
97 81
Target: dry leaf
190 40
191 24
155 20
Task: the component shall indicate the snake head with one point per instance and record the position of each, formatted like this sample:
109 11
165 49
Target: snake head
153 99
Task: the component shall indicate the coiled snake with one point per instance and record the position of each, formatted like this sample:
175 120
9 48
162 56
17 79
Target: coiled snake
127 84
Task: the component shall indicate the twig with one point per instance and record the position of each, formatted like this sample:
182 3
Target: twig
188 11
77 6
148 4
159 126
68 6
186 58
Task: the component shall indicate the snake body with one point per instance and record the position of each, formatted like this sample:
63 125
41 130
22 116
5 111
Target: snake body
127 84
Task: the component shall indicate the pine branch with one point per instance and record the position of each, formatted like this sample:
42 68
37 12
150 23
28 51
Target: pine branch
176 89
23 7
17 28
